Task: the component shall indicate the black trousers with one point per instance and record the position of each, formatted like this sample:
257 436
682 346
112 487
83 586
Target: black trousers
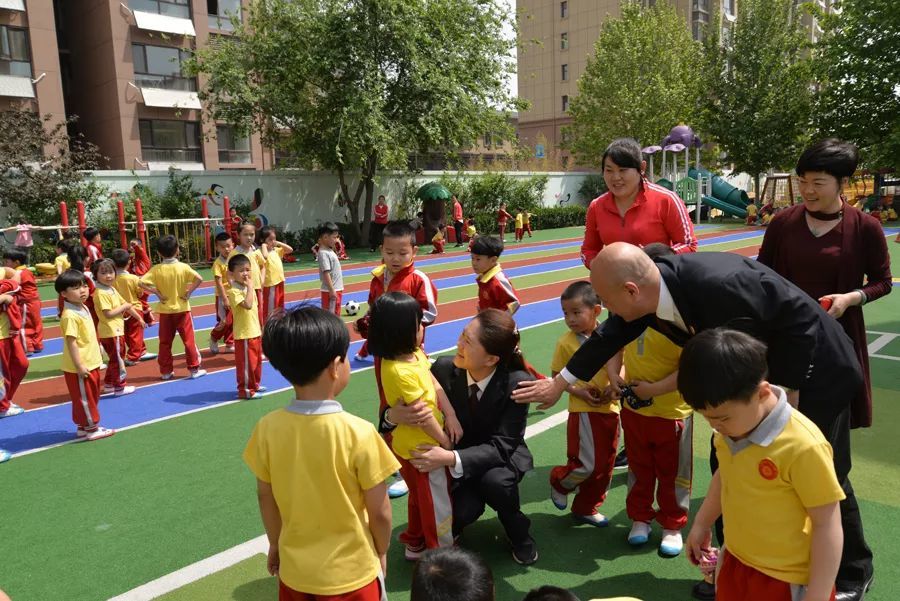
376 231
499 488
458 227
856 557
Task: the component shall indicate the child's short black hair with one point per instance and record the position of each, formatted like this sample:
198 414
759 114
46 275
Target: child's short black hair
721 365
69 279
245 224
237 261
77 256
394 325
222 237
835 157
120 257
102 264
327 229
14 254
400 229
655 250
549 593
90 233
489 246
263 233
309 332
64 244
167 246
582 292
451 574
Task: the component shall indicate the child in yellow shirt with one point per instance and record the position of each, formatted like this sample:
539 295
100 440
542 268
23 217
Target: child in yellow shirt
173 282
246 246
520 225
129 286
273 252
247 332
224 329
111 308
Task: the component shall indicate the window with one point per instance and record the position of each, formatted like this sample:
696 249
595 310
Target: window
728 5
563 10
487 140
160 67
565 102
565 73
169 8
175 141
233 146
220 13
14 56
563 41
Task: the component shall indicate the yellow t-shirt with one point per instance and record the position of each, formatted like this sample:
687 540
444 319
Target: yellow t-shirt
471 231
274 267
566 346
220 270
128 286
325 546
438 237
766 490
652 357
62 261
4 326
246 321
77 323
171 278
520 219
527 218
406 382
256 263
107 298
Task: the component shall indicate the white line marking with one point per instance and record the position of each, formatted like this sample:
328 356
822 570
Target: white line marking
885 357
881 342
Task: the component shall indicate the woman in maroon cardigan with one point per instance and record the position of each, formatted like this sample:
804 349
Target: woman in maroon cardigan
832 251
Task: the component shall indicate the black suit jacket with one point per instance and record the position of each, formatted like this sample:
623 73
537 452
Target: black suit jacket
808 349
494 434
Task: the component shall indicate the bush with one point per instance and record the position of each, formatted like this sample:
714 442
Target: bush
591 187
552 217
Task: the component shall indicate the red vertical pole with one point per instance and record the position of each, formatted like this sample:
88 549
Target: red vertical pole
63 214
204 211
82 224
226 211
123 238
141 230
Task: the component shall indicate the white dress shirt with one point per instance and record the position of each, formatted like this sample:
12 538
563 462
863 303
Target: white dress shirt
457 470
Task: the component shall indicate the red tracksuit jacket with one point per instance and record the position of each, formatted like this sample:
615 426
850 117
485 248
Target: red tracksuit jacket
495 291
411 281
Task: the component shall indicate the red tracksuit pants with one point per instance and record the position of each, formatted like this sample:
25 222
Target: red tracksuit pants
14 366
332 304
502 230
429 509
660 459
528 229
272 299
169 323
85 395
34 327
438 247
519 233
591 442
370 592
739 582
224 323
115 369
134 339
248 365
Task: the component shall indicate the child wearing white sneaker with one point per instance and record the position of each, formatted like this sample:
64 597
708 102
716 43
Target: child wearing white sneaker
81 356
111 308
129 286
593 427
247 331
224 329
173 282
13 362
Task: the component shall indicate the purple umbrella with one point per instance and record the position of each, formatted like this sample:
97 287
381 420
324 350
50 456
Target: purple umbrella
651 150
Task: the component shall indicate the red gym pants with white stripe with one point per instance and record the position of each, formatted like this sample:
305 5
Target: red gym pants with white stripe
371 592
134 339
591 443
660 459
33 326
430 511
169 323
272 299
248 365
85 395
115 369
739 582
14 366
332 304
224 323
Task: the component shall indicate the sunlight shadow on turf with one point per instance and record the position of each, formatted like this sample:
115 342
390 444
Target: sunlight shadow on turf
212 397
33 440
262 588
642 585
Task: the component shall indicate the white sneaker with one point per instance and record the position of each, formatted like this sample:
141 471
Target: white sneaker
12 411
261 389
5 456
398 489
167 376
639 535
671 544
213 346
197 373
148 357
366 359
229 348
107 389
560 500
99 433
413 553
595 519
80 432
124 390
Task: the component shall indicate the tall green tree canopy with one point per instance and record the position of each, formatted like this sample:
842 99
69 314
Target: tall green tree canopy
858 65
757 98
354 86
641 81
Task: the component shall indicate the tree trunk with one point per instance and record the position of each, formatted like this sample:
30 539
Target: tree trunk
351 202
758 199
371 166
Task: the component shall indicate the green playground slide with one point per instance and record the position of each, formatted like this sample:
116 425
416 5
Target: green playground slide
722 190
726 208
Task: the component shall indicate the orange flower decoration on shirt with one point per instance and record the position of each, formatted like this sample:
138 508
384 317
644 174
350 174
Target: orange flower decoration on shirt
768 469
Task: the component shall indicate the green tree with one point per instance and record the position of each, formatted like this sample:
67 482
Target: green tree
757 97
858 66
354 86
641 81
40 165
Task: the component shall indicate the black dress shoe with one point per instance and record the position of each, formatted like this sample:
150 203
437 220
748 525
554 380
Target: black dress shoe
855 593
621 461
525 554
704 591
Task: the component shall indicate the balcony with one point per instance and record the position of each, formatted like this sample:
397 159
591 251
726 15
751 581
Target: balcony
165 82
177 155
235 156
164 16
16 5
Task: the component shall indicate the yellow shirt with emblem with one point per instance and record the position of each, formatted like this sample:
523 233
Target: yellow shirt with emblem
257 262
172 280
62 261
107 298
325 546
274 267
650 358
566 346
220 270
77 323
520 220
129 287
767 524
246 321
406 382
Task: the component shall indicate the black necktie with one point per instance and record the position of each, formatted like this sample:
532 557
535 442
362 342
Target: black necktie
473 398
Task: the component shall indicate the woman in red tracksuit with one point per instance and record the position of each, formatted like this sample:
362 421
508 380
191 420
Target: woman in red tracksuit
502 218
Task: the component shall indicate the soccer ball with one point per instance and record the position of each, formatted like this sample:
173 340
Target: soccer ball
352 307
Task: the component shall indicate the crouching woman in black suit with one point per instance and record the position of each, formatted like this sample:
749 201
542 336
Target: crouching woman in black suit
491 458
